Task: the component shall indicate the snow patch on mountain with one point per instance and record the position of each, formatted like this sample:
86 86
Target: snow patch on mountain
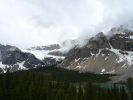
4 67
18 66
41 54
123 57
21 66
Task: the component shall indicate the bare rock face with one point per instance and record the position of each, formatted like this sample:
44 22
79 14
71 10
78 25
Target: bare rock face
122 41
50 61
122 38
13 59
92 47
1 70
10 57
103 55
33 62
98 42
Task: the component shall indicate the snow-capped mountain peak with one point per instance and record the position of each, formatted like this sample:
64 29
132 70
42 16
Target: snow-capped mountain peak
104 55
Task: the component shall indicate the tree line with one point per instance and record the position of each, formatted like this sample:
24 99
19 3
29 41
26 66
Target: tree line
32 85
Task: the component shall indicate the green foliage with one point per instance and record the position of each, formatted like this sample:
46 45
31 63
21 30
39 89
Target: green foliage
58 84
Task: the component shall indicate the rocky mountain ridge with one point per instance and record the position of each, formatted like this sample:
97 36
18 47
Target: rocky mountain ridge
103 55
13 59
48 47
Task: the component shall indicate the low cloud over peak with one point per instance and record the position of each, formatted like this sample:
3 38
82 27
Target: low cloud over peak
27 23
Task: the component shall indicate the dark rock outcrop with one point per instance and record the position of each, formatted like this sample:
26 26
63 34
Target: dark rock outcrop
92 47
100 41
33 62
122 41
50 61
49 47
103 54
11 56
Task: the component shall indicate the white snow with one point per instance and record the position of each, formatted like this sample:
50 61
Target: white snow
41 54
21 67
103 54
3 67
123 65
103 70
106 58
99 52
110 72
131 37
92 54
124 57
76 60
78 66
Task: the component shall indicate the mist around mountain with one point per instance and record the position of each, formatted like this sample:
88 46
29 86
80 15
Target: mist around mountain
66 49
99 69
104 53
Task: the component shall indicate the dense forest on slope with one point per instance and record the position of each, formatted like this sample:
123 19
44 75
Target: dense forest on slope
59 84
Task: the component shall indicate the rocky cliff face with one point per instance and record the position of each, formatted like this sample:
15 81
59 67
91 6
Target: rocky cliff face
103 54
13 59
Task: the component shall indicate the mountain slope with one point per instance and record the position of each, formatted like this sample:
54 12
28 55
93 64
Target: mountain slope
104 54
13 59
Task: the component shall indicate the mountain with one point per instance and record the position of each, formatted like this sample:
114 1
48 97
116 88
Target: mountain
49 47
53 50
67 45
104 54
13 59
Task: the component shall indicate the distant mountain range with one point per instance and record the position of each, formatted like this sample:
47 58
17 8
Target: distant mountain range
13 59
102 54
49 47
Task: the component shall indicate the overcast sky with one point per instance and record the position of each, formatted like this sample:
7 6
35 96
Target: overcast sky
26 23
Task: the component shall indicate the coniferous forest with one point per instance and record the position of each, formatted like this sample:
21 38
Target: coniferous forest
59 84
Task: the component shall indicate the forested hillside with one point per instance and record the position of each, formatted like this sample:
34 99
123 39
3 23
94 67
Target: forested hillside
59 84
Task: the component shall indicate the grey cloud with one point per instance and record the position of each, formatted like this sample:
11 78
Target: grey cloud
27 23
